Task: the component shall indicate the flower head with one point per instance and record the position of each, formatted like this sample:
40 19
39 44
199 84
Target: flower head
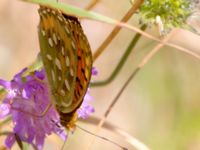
86 109
27 98
194 19
171 13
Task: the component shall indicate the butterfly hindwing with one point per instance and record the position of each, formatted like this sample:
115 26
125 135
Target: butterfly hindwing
58 53
84 59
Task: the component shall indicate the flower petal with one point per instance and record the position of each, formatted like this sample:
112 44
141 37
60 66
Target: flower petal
4 110
94 71
10 140
5 84
40 141
29 98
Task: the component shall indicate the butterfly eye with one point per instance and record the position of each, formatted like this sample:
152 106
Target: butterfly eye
67 60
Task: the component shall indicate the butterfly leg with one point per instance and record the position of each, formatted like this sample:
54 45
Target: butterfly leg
32 114
46 110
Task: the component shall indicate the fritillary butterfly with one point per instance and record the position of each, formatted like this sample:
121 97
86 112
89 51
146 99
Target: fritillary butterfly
67 60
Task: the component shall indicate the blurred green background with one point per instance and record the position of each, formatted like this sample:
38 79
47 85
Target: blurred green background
160 107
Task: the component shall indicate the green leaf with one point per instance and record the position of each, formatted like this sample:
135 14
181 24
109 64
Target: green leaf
81 13
2 93
71 10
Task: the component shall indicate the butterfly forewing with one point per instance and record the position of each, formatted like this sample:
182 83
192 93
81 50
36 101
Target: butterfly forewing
66 57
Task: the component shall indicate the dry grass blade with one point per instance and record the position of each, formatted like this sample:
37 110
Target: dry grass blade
91 4
187 51
116 29
141 64
138 145
70 10
155 50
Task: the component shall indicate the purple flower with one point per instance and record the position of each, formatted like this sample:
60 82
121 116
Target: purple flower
94 71
27 98
86 109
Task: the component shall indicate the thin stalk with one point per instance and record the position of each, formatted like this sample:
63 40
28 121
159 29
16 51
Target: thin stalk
4 122
117 28
91 4
136 143
5 133
144 61
121 62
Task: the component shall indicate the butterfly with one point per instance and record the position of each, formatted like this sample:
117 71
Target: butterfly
67 60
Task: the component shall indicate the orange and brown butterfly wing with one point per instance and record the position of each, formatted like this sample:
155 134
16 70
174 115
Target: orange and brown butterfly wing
67 60
84 67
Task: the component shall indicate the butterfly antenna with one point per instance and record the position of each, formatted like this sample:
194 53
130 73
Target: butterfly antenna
103 138
59 126
63 146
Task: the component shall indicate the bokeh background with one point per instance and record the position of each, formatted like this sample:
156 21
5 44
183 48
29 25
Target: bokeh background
161 105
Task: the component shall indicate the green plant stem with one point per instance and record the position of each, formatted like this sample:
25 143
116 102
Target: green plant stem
122 61
5 133
2 123
1 90
116 29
